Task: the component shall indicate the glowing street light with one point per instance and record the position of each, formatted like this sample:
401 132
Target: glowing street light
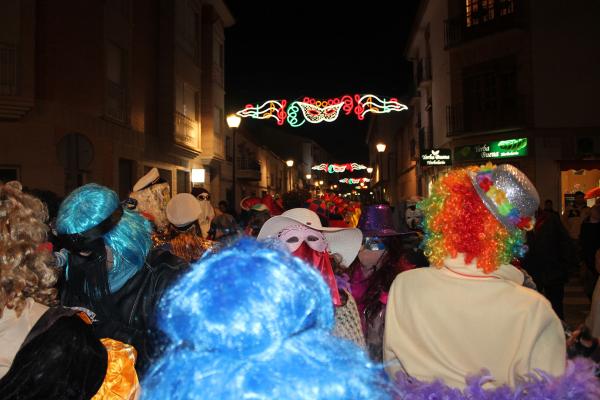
308 176
233 121
380 147
320 182
370 170
290 163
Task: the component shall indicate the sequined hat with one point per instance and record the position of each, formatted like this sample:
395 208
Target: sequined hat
377 220
508 194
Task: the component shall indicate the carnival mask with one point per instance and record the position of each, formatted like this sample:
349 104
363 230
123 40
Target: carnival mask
315 114
294 236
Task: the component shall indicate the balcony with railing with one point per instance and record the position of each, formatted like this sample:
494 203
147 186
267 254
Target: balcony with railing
423 74
247 169
13 103
480 20
462 119
186 131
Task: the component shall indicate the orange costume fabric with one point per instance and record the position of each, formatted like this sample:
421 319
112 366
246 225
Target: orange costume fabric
121 381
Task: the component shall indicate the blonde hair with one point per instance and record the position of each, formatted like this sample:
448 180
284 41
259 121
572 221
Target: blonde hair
25 270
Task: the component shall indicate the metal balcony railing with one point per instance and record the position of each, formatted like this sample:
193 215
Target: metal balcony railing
481 21
8 70
462 119
186 130
248 169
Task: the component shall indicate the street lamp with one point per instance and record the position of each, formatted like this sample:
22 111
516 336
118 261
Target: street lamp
233 122
290 164
320 182
370 170
308 176
380 149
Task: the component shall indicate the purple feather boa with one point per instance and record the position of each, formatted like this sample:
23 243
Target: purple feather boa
577 383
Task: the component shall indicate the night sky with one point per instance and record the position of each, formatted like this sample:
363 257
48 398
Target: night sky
319 49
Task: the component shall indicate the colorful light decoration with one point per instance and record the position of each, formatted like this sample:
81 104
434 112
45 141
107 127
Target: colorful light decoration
354 181
316 111
337 168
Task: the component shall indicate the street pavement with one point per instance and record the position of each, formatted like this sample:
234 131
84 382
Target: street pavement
576 303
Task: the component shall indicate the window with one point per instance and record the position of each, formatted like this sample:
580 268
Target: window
478 12
218 120
183 181
186 100
491 99
116 83
114 64
188 28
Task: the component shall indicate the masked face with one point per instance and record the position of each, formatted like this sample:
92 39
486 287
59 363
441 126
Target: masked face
310 245
371 251
153 201
294 236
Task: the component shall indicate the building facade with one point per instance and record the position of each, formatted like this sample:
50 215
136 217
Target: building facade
509 81
104 91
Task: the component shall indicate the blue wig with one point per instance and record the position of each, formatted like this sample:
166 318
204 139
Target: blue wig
129 240
252 322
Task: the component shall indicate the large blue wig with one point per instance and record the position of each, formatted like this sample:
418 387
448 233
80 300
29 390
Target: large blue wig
252 322
129 240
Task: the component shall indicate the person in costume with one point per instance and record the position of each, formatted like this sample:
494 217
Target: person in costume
380 259
255 322
150 197
48 351
186 239
207 211
111 268
27 278
470 310
301 232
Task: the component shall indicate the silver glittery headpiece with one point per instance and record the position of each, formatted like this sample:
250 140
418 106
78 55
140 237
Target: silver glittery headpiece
508 194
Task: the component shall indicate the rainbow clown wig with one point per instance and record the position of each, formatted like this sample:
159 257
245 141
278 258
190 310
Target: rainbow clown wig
252 322
468 213
93 214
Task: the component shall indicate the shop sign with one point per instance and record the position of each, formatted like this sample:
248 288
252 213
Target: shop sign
500 149
433 157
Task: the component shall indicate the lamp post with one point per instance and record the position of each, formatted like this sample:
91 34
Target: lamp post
290 164
233 122
380 149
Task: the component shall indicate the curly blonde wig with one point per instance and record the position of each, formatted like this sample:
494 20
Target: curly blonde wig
25 269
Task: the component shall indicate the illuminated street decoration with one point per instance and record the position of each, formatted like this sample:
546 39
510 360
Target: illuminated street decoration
269 109
316 111
354 181
337 168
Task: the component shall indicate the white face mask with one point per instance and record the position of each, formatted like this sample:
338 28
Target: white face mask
369 258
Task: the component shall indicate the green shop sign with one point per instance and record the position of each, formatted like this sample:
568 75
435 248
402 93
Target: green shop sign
502 149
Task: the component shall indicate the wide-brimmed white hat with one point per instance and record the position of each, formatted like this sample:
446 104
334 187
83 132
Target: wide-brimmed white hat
146 180
343 241
183 209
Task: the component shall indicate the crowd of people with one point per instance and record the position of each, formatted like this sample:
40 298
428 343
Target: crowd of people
297 297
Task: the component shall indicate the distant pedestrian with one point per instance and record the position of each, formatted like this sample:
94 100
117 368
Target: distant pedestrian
574 215
551 253
590 243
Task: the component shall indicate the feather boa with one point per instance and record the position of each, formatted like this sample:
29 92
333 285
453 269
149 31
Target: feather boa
577 383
